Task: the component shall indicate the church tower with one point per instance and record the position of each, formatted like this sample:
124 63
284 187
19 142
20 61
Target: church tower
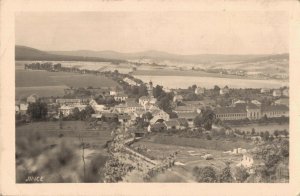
150 89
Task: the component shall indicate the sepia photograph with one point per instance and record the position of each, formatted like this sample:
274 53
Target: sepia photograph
152 97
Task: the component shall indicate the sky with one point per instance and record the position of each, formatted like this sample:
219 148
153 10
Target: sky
218 32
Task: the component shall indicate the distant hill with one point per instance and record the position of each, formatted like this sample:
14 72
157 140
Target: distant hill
160 56
27 53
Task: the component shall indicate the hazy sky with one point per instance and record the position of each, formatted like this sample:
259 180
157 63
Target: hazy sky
174 32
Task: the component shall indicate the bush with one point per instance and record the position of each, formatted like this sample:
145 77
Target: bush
205 174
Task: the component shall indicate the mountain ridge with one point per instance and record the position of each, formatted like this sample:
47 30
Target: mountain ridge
24 52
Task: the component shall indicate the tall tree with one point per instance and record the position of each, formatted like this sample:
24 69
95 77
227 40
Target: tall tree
37 110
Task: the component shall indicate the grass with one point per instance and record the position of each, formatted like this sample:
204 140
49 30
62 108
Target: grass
213 144
46 83
187 154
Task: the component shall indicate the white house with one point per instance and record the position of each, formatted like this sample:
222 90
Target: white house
23 108
199 91
257 103
276 93
224 90
247 161
178 98
32 98
66 110
265 90
147 100
96 107
121 97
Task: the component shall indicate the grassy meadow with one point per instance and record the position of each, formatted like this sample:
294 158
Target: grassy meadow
46 83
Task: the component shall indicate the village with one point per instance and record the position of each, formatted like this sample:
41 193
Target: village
202 122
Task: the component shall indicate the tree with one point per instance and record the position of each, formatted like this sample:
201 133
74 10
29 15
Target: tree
142 91
225 175
164 104
276 133
217 88
37 110
194 86
253 131
208 118
241 174
266 135
205 174
198 121
147 116
158 91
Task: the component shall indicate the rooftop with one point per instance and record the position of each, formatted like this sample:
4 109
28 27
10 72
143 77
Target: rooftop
275 108
171 123
226 110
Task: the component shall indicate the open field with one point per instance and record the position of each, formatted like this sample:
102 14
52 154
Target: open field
188 157
45 83
213 144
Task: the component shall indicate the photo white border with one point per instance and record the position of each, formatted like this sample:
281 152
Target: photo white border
7 86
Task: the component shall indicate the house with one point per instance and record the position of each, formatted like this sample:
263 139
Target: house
282 101
172 124
97 116
255 102
189 116
224 90
144 100
32 98
177 98
137 132
80 107
65 110
256 138
199 91
112 92
247 161
132 106
96 107
285 92
265 90
274 111
231 113
69 102
253 111
17 109
121 97
120 108
277 93
23 108
185 109
235 102
124 118
159 115
131 82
